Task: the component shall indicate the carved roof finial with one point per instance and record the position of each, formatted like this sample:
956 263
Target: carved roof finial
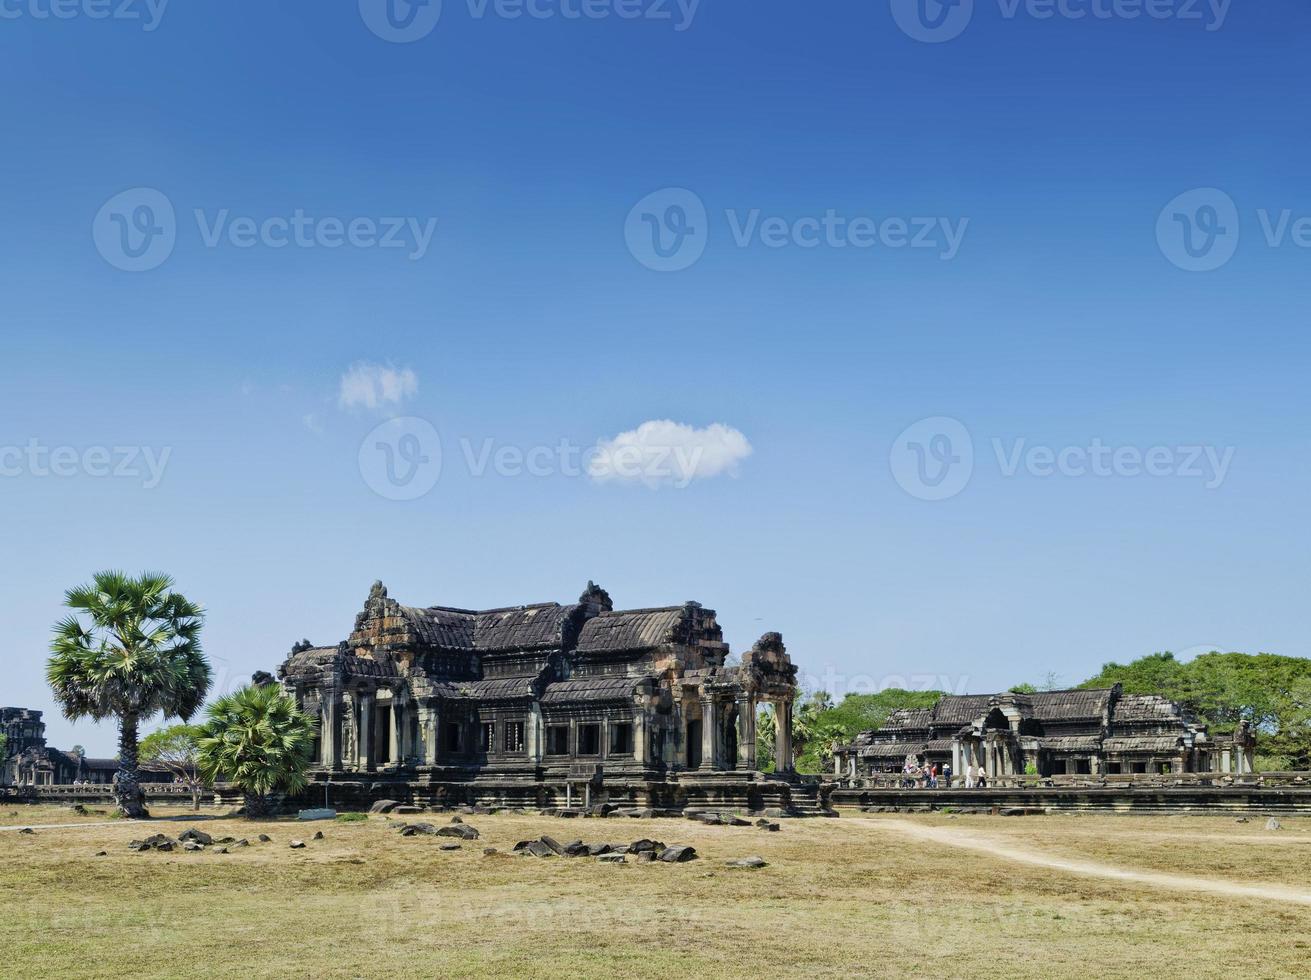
596 596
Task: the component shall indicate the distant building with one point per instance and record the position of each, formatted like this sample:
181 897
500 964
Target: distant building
28 760
1078 732
532 703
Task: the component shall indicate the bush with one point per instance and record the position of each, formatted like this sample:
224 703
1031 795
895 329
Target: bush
352 817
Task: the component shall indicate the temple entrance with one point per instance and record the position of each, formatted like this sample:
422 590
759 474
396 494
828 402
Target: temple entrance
728 739
694 744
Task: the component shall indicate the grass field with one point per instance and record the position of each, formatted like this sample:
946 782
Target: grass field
857 896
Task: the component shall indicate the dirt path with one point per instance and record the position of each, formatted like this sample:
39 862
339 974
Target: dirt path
950 837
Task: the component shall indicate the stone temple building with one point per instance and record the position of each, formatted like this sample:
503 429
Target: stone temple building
545 704
28 761
1086 732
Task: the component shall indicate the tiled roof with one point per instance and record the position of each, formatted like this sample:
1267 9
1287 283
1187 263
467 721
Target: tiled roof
1145 707
910 718
633 629
1071 743
960 709
890 750
1068 705
497 688
606 688
1142 743
518 628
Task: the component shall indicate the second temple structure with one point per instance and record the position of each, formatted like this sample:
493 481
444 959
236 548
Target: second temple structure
547 704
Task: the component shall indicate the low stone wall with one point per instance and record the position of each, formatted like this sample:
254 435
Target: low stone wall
1129 798
159 793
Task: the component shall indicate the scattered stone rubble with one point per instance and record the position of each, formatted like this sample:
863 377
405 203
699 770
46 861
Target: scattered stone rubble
644 850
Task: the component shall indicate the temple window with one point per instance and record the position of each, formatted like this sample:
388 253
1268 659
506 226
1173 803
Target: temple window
487 736
557 740
1083 767
1112 768
453 737
514 736
621 739
1140 767
589 739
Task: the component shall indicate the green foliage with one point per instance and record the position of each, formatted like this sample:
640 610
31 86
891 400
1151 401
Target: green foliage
135 654
4 745
130 650
1023 689
174 747
352 817
257 739
1270 692
822 723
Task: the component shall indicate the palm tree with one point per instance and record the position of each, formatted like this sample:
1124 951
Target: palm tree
138 656
259 740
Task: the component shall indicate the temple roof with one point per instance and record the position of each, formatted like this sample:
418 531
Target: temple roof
631 629
602 688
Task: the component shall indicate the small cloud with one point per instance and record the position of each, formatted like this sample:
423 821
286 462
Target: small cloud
313 423
376 386
668 453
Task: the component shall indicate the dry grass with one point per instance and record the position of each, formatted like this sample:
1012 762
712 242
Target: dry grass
840 898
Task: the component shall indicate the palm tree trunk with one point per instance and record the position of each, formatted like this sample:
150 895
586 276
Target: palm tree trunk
127 788
257 805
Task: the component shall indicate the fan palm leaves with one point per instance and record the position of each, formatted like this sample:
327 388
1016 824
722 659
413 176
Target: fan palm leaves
257 739
129 650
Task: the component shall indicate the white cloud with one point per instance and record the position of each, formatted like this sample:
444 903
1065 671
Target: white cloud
376 386
664 452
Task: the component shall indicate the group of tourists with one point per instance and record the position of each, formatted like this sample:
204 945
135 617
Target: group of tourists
914 776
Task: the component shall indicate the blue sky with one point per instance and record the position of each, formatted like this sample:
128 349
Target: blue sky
542 153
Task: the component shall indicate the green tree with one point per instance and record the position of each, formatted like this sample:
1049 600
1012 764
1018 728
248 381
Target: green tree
130 650
176 748
1267 691
257 739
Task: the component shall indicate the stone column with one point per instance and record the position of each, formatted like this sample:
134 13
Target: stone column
1225 761
745 737
394 733
428 735
783 735
709 734
328 730
535 733
366 731
350 736
956 756
641 741
752 707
